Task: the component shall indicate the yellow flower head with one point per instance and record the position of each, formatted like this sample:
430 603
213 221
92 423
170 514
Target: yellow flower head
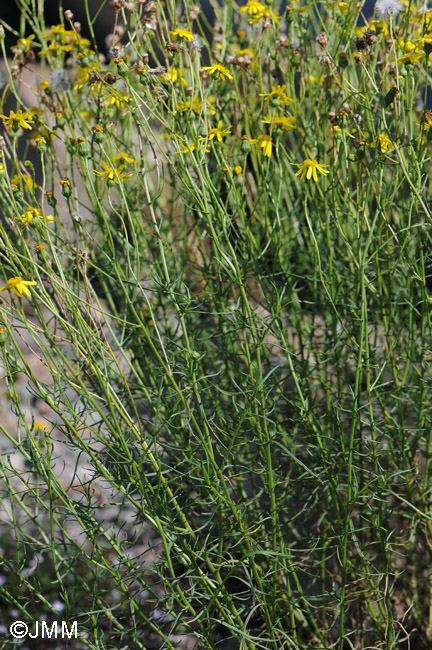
245 52
174 74
117 98
277 92
181 33
308 169
191 146
265 143
379 26
122 156
252 8
40 426
217 132
18 286
17 120
219 70
384 143
265 13
112 175
286 123
196 105
26 179
25 44
27 217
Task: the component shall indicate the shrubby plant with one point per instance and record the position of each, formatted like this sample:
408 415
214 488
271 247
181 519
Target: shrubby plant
216 246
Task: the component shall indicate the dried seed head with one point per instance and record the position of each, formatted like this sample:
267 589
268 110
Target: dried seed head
361 44
370 37
197 44
283 41
326 61
59 81
322 40
194 11
173 47
68 15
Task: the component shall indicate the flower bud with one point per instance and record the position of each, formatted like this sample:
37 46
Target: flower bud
41 145
66 187
246 146
51 199
3 337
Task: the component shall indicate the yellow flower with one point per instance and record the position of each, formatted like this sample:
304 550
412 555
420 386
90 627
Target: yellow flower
217 133
18 120
56 30
286 123
19 286
83 75
252 7
181 33
237 169
174 74
265 143
55 47
27 217
245 52
384 143
221 71
196 105
112 175
26 178
118 98
379 26
124 157
265 13
191 146
65 182
277 92
412 58
309 169
40 426
426 120
343 7
25 44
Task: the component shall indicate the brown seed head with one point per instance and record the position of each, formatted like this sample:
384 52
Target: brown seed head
322 40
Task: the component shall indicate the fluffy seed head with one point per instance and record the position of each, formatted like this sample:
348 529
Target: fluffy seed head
387 8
